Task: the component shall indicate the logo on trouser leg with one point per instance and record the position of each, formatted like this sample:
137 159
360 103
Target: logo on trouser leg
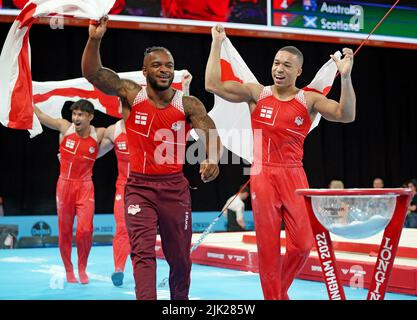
187 217
133 209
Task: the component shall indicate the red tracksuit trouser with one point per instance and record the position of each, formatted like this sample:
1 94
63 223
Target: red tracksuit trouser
164 201
121 245
75 198
273 199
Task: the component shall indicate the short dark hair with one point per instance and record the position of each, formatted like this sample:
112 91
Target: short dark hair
413 182
149 50
294 51
83 105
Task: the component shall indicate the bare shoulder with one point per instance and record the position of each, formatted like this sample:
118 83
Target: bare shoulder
131 85
312 97
100 130
190 100
109 132
63 125
130 91
256 88
192 105
100 133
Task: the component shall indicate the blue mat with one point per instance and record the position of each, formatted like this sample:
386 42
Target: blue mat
38 274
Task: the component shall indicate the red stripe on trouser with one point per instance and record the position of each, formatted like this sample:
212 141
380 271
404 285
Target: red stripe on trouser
274 199
121 245
75 198
163 201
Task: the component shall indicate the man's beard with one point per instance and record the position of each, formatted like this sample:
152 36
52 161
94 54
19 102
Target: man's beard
154 84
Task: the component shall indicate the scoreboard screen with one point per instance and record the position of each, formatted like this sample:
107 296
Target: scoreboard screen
338 21
347 16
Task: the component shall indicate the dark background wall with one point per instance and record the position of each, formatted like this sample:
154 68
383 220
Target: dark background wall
381 142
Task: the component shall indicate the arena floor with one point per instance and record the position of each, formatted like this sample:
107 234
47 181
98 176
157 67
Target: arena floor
38 274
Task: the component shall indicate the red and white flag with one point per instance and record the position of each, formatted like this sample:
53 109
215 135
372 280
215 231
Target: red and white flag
233 119
16 110
50 96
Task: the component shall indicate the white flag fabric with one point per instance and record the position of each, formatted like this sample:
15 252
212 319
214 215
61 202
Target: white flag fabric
323 81
50 96
16 110
233 119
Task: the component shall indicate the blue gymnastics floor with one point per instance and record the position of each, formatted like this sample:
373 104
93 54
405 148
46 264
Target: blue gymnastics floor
38 274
